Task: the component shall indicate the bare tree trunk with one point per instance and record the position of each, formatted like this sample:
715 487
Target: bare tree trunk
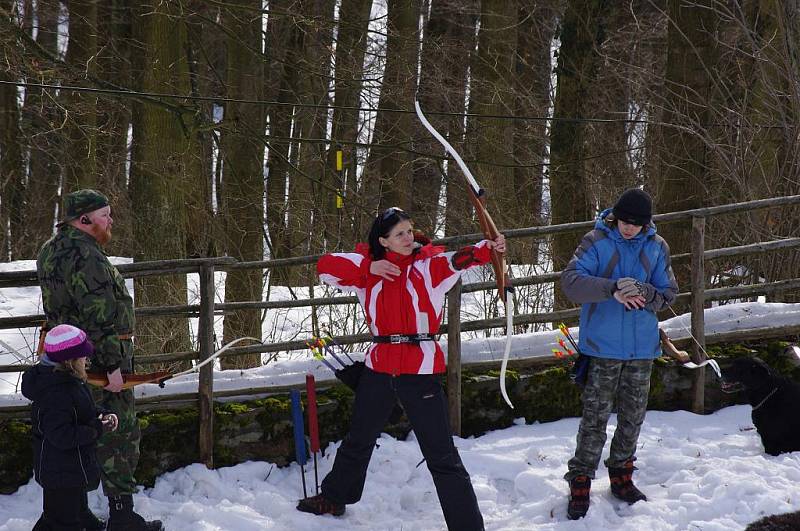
283 47
243 174
204 54
387 176
40 114
207 73
581 35
458 209
445 58
351 45
607 168
161 170
492 94
312 190
681 170
114 119
772 110
11 168
80 151
533 86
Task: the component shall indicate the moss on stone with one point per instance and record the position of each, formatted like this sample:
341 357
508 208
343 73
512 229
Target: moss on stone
16 456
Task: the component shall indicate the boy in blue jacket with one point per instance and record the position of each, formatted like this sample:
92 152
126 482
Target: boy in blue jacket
621 275
65 426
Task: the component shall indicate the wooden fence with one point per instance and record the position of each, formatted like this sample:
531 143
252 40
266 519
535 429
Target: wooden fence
206 310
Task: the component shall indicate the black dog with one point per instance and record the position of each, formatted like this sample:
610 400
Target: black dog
775 400
777 522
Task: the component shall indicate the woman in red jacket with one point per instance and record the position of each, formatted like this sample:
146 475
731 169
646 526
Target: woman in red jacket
401 285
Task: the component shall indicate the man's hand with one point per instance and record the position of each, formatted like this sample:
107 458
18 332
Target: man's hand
384 269
114 381
498 244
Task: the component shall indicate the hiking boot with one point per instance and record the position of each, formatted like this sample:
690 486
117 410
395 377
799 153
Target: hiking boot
622 486
578 505
319 504
122 518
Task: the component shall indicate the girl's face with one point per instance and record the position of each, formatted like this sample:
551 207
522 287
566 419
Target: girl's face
628 230
400 238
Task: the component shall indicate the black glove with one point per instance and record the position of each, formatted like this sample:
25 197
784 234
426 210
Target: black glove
351 375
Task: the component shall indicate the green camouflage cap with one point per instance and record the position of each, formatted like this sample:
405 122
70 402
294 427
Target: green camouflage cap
82 202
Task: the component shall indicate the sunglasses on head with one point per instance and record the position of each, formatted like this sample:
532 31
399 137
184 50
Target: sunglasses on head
391 211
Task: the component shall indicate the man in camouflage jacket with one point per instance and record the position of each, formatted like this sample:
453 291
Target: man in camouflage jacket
82 288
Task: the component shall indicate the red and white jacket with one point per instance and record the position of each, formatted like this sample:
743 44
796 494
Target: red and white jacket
410 304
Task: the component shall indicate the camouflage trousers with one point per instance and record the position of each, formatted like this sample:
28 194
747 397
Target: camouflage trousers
628 384
118 451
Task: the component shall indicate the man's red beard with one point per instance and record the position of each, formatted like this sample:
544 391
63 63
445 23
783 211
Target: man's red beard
102 236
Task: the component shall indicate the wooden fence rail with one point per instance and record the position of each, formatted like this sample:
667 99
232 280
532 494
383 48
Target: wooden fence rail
206 310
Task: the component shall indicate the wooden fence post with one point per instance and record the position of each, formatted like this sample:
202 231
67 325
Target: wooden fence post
205 388
454 358
698 306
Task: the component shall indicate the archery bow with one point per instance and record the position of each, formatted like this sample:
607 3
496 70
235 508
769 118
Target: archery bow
131 380
477 197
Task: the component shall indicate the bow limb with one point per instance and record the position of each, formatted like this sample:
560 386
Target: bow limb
477 197
473 184
214 356
503 285
490 231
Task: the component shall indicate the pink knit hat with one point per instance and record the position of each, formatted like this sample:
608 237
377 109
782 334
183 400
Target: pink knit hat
66 342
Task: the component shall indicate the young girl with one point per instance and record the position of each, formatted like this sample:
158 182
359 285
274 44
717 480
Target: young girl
65 427
401 286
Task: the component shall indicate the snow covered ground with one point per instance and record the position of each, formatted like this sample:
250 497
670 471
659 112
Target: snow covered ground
699 472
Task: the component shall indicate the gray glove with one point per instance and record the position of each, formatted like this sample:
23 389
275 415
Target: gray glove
629 287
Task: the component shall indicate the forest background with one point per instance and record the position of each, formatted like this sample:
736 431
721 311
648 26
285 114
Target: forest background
255 128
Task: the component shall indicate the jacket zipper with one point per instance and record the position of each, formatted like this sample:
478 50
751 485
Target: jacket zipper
41 451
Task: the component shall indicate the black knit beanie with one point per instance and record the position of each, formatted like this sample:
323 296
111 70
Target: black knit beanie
634 206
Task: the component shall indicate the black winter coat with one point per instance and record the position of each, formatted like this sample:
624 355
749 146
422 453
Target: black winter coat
65 429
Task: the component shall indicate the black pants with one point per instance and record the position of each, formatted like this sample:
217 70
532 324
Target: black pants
423 400
62 510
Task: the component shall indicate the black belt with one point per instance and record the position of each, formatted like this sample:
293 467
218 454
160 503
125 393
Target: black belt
396 339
